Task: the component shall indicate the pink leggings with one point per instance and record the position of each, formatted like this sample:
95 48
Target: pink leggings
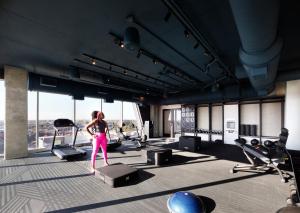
100 140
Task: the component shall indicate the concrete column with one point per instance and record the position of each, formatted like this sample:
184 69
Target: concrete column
15 133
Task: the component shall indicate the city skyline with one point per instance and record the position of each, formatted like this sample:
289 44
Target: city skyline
53 106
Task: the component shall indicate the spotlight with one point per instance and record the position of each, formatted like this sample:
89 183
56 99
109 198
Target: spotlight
121 44
130 18
154 61
215 87
131 39
186 33
139 54
142 98
93 61
196 45
206 52
147 93
168 15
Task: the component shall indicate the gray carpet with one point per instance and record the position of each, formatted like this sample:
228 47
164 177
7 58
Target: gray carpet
43 183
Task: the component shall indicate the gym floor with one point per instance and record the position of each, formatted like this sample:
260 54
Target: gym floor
43 183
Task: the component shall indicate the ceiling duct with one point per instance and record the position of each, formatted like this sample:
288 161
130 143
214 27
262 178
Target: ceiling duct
257 23
131 39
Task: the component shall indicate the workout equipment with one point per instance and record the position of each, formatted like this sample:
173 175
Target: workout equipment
158 156
66 151
269 156
242 129
253 129
190 143
140 140
112 144
185 202
117 174
294 198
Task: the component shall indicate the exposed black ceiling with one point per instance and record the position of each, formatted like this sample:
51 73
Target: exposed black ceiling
52 37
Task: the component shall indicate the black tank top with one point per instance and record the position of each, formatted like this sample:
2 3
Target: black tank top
100 126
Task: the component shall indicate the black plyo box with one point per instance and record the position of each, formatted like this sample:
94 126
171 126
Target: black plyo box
158 156
117 175
190 143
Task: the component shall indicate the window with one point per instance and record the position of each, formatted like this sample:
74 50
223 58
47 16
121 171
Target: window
32 116
113 116
2 105
52 107
83 116
131 120
271 119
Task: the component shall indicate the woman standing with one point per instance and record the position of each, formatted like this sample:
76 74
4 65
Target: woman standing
99 129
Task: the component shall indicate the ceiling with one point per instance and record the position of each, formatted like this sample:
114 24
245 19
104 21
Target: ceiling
55 37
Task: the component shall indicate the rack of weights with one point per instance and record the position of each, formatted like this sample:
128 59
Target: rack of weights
248 130
188 118
206 131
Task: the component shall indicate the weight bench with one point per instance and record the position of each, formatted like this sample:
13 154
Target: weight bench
264 158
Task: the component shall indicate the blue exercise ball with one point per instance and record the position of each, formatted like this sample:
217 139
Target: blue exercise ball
185 202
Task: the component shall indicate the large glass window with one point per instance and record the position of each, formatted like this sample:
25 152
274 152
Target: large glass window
271 119
32 116
2 105
83 116
51 107
113 116
131 120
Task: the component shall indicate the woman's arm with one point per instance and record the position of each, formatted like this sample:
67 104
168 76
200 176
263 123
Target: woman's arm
89 125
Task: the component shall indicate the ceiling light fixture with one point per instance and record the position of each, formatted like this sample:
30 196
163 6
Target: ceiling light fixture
196 45
131 39
139 54
206 52
93 61
168 15
186 33
154 61
121 44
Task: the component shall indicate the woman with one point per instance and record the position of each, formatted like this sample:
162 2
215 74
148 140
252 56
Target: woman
99 128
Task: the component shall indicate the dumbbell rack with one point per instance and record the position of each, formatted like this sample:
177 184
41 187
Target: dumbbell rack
208 132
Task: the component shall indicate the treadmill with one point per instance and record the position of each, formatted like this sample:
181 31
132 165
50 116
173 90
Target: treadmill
66 151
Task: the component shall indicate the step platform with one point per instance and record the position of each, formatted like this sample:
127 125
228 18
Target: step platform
190 143
117 175
157 156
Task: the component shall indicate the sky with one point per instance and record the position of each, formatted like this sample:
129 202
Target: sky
53 106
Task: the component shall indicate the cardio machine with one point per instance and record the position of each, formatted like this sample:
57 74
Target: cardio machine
139 139
66 151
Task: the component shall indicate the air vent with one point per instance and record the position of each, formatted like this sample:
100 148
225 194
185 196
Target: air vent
48 82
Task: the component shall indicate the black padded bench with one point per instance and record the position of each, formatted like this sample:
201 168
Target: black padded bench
158 156
117 174
190 143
